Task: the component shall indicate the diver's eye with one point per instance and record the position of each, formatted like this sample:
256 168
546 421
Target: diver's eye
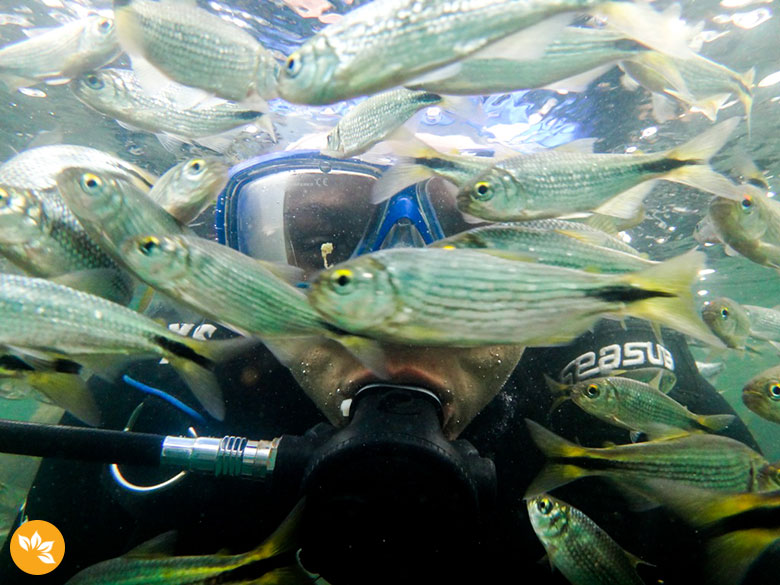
197 166
147 246
774 391
293 64
91 183
105 25
544 505
747 202
94 81
482 191
724 313
592 391
342 279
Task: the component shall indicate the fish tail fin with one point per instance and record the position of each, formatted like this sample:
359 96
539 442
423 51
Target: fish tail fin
730 556
715 422
283 539
554 473
674 306
203 384
704 146
559 391
403 174
710 105
68 391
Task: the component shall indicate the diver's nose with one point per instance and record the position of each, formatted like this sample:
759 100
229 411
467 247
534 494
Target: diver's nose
403 234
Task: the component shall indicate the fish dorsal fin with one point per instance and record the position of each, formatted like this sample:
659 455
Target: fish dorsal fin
160 546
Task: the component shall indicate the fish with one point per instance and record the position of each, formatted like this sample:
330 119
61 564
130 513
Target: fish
60 381
638 407
47 241
701 83
764 323
728 320
60 53
380 45
761 394
194 47
57 321
112 209
558 247
553 182
749 226
188 188
152 563
118 94
700 460
467 298
578 547
375 118
575 57
249 295
737 528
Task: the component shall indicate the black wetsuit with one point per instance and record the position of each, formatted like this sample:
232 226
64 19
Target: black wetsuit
99 520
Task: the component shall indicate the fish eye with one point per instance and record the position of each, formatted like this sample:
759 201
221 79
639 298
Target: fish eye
3 196
592 391
196 165
483 191
544 505
94 81
724 313
148 245
774 391
90 182
105 25
342 279
747 202
293 64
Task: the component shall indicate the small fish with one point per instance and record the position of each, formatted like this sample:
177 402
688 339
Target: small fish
638 407
762 394
375 118
578 547
384 44
188 188
700 460
749 226
195 47
117 93
60 53
112 209
701 83
246 294
728 320
466 298
572 248
47 241
574 58
738 528
55 320
152 563
553 183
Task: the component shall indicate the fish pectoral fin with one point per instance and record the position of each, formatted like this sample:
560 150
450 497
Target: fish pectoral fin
68 391
161 545
628 204
579 83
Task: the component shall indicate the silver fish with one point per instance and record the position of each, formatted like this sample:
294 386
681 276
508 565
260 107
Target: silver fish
112 209
375 118
62 52
553 183
188 188
117 93
43 316
578 547
468 298
197 48
44 241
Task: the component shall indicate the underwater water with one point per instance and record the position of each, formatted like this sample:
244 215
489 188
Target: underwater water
738 34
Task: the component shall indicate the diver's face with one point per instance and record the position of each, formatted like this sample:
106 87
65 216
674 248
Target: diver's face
465 380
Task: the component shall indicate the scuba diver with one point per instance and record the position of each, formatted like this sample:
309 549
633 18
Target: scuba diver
416 477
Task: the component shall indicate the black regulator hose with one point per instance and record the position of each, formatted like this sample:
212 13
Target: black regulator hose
84 444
